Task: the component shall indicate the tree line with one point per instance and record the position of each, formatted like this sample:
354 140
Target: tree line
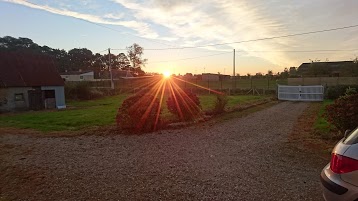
80 58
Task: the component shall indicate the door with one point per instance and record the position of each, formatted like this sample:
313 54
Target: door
35 100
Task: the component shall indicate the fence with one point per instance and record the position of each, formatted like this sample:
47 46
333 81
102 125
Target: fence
325 81
231 86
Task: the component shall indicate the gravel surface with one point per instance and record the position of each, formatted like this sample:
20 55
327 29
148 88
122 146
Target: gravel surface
240 159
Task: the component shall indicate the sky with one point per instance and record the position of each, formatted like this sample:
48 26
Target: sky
160 24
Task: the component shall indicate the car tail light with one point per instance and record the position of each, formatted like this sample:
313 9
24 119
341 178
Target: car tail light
342 164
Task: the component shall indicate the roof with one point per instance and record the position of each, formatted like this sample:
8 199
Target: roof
28 70
76 72
334 64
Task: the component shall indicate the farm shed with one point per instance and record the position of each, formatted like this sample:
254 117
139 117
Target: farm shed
29 81
78 75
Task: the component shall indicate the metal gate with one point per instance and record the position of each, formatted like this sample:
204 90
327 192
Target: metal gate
300 93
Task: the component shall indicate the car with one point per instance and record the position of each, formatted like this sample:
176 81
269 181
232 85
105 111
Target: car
340 177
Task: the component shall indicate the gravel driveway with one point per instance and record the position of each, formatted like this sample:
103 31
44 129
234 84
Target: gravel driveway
239 159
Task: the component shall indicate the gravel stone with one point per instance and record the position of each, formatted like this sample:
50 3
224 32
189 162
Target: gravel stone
239 159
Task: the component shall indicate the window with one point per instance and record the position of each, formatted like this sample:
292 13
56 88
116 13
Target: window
19 97
81 77
352 138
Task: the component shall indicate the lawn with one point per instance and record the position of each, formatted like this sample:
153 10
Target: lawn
321 125
85 114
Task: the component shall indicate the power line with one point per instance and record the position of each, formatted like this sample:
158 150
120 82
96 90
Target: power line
329 50
260 39
209 45
190 58
348 50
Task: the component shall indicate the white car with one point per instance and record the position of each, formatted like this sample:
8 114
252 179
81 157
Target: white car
340 177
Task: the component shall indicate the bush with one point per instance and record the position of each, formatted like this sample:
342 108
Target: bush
343 113
220 104
82 91
139 113
334 92
350 91
185 105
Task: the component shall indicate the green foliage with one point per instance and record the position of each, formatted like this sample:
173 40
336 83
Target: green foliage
343 113
78 58
220 104
139 113
350 91
334 92
185 105
83 91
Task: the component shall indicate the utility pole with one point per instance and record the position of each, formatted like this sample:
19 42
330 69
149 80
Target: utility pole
234 71
110 68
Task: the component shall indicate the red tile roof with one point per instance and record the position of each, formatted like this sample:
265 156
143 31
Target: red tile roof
28 70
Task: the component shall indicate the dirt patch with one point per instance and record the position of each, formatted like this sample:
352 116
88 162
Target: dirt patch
303 135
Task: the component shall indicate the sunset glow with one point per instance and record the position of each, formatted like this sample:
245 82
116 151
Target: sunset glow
166 74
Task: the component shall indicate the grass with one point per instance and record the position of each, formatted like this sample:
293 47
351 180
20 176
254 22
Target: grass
84 114
79 115
321 125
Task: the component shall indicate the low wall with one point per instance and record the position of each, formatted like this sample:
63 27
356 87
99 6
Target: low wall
325 81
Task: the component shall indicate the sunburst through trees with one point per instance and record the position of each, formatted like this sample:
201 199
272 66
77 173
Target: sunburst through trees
142 111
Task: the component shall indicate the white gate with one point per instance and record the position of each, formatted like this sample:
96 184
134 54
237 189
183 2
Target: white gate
300 93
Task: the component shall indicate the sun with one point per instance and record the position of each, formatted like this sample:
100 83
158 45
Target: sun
166 74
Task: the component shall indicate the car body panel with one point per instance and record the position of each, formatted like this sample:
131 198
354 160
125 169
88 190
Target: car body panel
351 177
328 195
342 187
340 148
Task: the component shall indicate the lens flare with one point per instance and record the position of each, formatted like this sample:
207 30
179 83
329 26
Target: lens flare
166 74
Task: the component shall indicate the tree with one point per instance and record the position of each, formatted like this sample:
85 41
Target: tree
81 58
123 62
134 54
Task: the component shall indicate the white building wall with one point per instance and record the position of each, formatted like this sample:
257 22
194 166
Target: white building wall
59 95
89 76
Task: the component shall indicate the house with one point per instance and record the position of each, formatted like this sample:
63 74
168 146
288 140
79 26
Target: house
78 75
29 81
332 68
117 74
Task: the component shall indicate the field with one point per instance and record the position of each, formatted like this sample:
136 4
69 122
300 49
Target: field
85 114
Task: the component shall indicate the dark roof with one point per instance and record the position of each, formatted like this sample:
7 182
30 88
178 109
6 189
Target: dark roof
76 72
28 70
333 64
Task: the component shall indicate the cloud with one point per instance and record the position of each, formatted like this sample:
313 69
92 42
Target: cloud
214 21
114 16
142 28
202 22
